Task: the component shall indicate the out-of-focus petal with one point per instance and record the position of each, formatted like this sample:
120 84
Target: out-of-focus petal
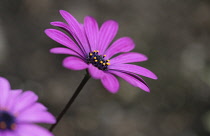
110 82
74 63
4 91
128 58
133 69
107 33
124 44
32 130
24 100
35 114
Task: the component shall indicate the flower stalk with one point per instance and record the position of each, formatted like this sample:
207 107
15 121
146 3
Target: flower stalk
70 102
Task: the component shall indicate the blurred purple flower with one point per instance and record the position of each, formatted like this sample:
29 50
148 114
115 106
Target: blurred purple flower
89 49
19 110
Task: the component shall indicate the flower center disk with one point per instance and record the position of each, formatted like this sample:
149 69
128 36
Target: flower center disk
98 60
7 121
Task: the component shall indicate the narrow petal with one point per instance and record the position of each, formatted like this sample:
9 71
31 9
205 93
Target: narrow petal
76 28
133 69
61 50
124 44
132 79
70 31
74 63
95 72
128 58
91 29
107 33
63 39
32 130
63 26
4 91
110 82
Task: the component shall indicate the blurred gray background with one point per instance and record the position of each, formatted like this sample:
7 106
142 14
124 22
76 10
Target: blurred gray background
174 34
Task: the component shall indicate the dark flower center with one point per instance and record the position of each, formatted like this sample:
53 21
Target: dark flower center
7 121
98 60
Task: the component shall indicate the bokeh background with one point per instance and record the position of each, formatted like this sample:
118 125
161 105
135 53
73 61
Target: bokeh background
174 34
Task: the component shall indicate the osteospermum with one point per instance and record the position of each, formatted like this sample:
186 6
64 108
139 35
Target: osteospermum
19 110
90 48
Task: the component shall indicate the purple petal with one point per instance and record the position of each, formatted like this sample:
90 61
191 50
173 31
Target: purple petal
32 130
124 44
74 63
128 58
107 33
61 50
62 25
4 91
24 100
63 39
91 29
37 114
110 82
76 28
133 69
7 133
132 79
69 30
13 95
95 72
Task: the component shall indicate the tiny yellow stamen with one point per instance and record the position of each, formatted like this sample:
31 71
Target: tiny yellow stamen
97 50
96 60
104 64
91 54
101 61
107 63
3 125
94 57
13 126
94 51
107 60
104 56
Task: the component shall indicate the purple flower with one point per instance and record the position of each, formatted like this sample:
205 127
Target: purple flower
90 48
19 110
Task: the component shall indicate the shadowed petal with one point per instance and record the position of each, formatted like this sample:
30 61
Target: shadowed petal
110 82
134 69
91 29
107 33
76 28
128 58
132 79
63 39
95 72
62 25
124 44
74 63
4 91
32 130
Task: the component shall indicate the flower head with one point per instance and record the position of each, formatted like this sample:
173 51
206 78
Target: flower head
90 48
19 110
